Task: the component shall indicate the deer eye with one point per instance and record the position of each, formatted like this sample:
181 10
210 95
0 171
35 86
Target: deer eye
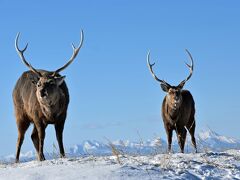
39 84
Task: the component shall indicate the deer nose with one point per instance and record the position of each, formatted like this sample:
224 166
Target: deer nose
43 93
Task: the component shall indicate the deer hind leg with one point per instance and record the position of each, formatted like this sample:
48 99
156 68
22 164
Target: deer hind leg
191 129
22 126
35 139
181 136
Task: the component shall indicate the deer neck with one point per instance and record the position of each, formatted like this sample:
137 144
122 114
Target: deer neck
173 111
52 107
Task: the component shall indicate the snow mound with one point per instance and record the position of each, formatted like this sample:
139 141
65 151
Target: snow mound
211 165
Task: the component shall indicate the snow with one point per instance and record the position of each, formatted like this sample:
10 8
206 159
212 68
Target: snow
209 140
216 142
204 135
219 158
210 165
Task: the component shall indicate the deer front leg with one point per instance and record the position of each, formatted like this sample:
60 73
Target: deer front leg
169 137
59 134
41 135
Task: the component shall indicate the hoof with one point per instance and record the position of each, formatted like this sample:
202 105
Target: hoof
41 158
62 156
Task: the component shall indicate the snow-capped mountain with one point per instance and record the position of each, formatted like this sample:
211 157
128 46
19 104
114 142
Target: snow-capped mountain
89 148
98 148
215 142
206 141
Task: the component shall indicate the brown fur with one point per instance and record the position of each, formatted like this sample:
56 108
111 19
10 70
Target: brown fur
178 108
179 117
29 109
41 97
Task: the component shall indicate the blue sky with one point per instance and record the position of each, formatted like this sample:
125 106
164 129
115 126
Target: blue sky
112 93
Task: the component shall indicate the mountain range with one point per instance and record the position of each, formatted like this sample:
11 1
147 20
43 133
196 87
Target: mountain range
206 141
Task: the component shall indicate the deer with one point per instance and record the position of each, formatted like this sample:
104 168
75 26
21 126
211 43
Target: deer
41 98
178 108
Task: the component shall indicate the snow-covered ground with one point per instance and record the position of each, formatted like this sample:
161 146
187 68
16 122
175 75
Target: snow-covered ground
219 158
221 165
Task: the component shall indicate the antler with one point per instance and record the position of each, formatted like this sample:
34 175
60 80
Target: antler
190 69
74 55
20 53
151 70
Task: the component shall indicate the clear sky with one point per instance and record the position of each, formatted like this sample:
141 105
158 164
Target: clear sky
112 93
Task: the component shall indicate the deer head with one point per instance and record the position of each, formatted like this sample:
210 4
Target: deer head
174 97
47 83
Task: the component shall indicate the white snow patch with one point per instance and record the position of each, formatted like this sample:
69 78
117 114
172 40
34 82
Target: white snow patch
211 165
219 159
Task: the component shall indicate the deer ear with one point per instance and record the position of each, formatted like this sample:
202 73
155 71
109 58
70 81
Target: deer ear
165 87
60 80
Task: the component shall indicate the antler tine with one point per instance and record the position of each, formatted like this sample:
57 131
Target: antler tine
151 70
20 53
74 55
189 66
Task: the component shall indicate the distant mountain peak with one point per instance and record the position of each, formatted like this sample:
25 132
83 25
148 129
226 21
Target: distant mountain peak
208 139
212 135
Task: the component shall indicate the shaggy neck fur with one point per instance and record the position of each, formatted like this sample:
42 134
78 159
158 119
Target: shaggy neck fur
52 106
173 108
